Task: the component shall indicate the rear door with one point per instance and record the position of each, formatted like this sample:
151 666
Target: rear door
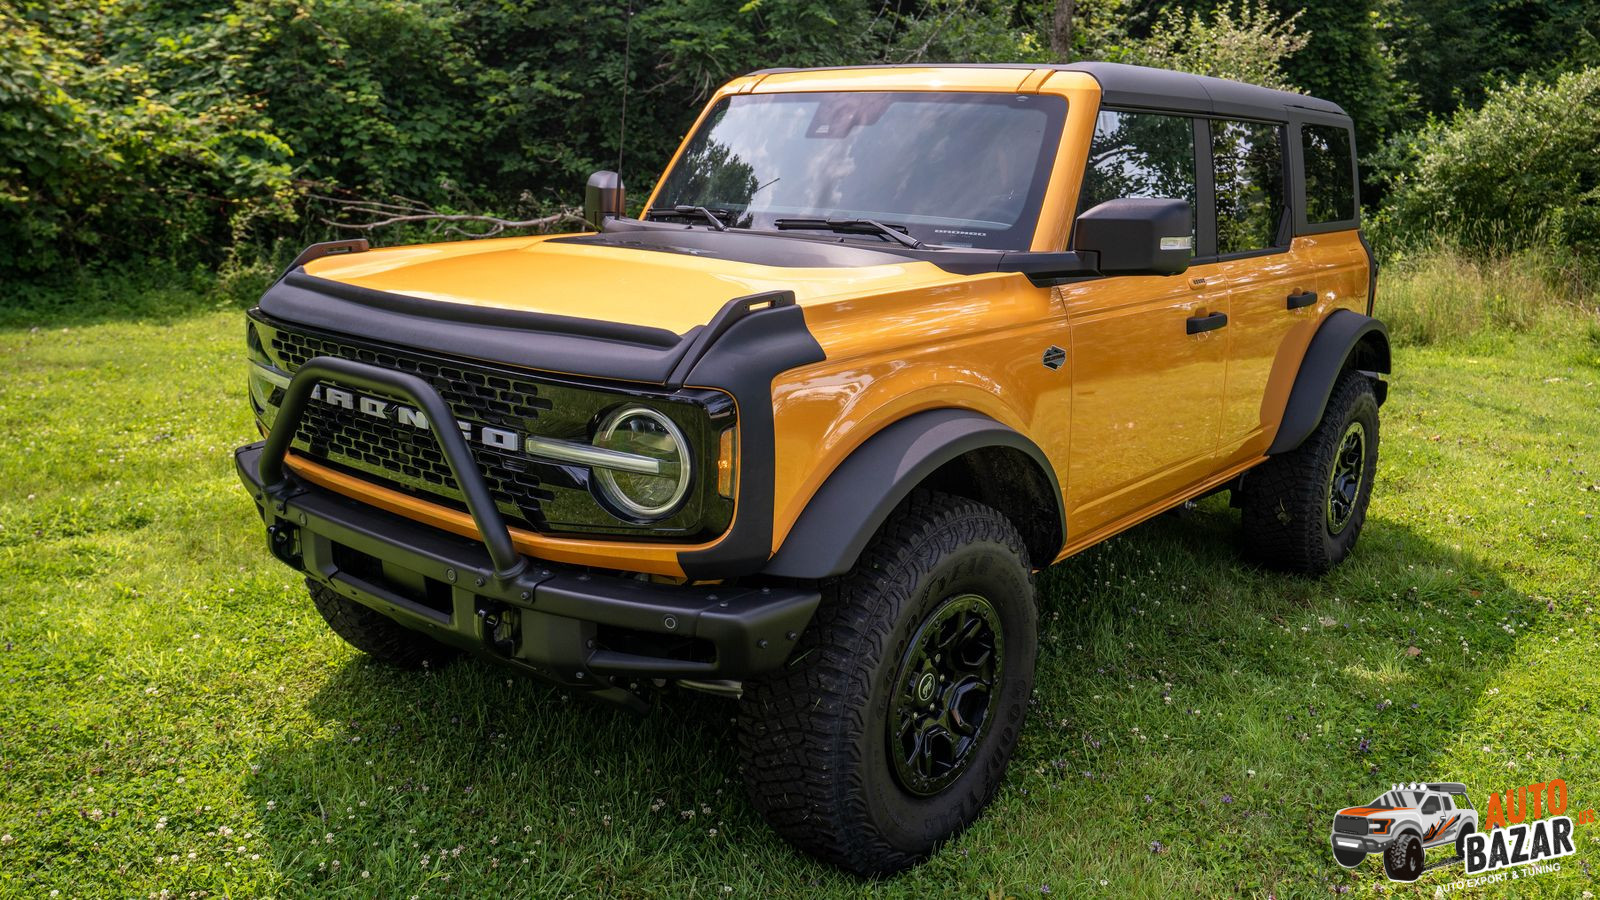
1148 354
1270 278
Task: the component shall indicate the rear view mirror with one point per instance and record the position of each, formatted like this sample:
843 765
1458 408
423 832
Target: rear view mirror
1137 236
602 198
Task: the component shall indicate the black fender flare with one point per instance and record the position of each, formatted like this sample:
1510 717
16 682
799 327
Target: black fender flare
1340 336
859 495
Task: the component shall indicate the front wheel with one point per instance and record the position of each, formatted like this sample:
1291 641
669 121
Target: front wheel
1402 861
892 726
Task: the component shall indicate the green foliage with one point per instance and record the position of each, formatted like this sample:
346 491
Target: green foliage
1518 172
1348 60
1247 42
1452 52
176 129
193 130
114 138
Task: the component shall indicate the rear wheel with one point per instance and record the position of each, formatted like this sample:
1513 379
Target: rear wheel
892 726
1461 839
375 634
1302 511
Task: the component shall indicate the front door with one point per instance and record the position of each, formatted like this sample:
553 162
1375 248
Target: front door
1148 354
1148 360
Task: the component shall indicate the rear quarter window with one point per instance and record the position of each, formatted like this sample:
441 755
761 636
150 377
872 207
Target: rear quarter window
1330 184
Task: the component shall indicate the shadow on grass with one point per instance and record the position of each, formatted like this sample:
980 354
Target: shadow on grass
456 757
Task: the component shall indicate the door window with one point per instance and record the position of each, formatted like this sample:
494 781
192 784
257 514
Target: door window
1430 807
1247 164
1136 154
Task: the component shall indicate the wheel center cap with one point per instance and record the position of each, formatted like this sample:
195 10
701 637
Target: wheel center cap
925 687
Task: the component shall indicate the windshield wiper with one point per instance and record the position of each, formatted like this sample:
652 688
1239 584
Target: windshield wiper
895 233
689 212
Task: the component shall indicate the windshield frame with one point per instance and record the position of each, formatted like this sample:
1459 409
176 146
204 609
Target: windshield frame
1019 236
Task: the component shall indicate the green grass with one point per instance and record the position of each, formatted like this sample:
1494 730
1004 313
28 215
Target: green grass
177 718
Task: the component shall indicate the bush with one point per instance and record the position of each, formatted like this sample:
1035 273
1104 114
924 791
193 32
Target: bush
115 140
1245 43
1519 172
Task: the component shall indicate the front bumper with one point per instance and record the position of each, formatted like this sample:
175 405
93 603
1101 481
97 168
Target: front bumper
559 622
585 629
1359 843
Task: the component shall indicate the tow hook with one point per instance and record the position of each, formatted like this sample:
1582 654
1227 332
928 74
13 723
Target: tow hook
283 540
499 627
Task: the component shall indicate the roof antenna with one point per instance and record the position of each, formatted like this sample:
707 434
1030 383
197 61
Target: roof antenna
627 59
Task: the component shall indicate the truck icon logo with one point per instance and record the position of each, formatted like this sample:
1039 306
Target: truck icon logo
1405 821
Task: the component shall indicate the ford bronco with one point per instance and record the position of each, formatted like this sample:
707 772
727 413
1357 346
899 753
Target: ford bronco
1401 824
882 343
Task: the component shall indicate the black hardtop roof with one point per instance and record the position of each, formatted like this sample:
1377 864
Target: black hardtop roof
1146 88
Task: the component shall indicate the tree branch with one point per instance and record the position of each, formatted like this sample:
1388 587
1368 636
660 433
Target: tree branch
384 215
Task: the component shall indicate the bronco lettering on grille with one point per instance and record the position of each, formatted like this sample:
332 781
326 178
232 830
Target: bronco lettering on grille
389 411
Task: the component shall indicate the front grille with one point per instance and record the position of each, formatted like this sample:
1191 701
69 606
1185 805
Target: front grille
1350 824
410 456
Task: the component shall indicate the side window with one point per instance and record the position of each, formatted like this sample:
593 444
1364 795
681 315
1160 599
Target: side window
1445 802
1330 189
1136 154
1431 806
1247 159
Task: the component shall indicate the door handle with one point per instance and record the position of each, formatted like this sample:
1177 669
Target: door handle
1216 320
1303 299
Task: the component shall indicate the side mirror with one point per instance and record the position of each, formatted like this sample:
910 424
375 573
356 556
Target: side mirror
1137 236
602 198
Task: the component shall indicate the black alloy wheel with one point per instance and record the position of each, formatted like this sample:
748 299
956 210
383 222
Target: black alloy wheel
947 694
1346 476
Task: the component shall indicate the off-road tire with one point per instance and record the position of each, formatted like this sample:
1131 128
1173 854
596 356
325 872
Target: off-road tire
814 737
377 635
1285 504
1402 860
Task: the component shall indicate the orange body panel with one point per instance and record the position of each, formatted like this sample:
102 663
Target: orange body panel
1142 416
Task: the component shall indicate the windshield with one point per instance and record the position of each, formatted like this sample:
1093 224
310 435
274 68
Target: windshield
961 170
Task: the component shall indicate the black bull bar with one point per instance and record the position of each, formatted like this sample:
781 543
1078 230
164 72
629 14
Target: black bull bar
558 621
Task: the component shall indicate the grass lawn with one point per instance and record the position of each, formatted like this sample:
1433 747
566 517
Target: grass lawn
176 717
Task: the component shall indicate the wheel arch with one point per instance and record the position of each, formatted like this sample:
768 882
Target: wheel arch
1346 341
957 451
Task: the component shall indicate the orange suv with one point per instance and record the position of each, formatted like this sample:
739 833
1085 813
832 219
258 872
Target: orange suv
883 343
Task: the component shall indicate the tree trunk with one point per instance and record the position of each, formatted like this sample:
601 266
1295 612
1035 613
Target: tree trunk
1061 30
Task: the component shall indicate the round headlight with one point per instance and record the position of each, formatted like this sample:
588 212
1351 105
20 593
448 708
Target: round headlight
643 432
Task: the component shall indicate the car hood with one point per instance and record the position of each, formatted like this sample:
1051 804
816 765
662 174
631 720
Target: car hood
1371 810
636 285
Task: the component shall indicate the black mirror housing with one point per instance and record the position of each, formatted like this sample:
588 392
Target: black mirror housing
1137 236
603 198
